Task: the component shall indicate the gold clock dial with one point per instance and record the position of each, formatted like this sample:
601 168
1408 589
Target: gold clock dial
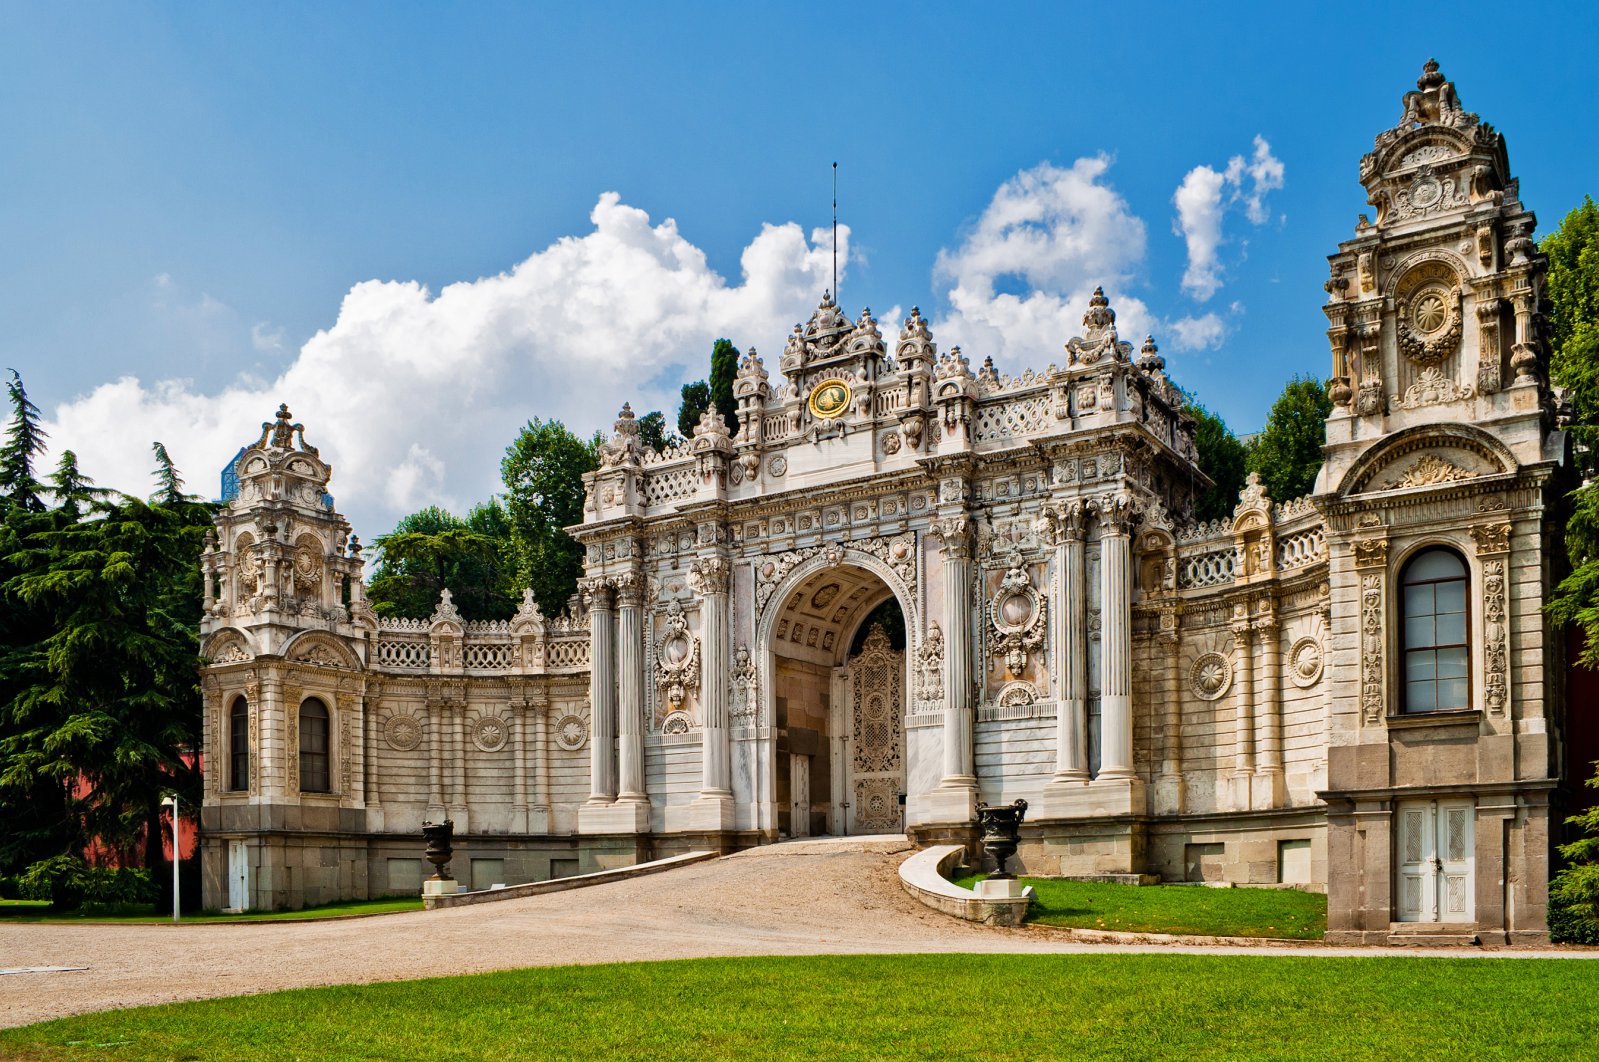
829 399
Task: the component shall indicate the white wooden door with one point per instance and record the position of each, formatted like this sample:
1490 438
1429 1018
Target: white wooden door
799 788
1435 856
238 875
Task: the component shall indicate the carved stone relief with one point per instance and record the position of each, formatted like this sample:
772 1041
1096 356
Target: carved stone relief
677 659
403 732
1305 660
490 733
1016 614
1371 647
571 732
1210 676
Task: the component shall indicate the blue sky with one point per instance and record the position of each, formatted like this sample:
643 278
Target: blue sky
396 217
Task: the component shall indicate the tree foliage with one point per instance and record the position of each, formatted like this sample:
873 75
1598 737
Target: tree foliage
99 681
1287 453
25 440
724 368
432 549
1573 314
696 399
652 431
1221 457
543 472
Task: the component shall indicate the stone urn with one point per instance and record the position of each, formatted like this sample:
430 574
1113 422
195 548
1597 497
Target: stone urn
1002 831
438 836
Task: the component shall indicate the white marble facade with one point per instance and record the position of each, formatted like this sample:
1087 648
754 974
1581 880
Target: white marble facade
1188 700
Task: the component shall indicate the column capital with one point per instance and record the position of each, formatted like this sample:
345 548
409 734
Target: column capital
1062 522
955 532
1242 634
599 593
709 575
1117 513
629 587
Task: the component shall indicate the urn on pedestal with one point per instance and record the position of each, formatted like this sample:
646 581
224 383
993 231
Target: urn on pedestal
438 836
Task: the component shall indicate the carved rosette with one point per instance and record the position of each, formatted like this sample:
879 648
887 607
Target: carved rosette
403 732
677 659
571 732
1210 676
491 733
1305 662
1016 615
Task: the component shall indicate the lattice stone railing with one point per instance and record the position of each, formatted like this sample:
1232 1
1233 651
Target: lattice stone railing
488 656
567 653
407 655
1301 548
1014 417
778 426
669 484
1211 568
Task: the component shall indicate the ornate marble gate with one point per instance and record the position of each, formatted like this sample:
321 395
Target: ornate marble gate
877 765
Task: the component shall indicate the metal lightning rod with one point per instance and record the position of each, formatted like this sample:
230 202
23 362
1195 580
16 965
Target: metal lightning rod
835 235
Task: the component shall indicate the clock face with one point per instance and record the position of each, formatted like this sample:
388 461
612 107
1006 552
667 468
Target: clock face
830 399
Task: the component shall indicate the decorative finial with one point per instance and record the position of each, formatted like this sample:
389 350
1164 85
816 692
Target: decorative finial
1149 356
1430 77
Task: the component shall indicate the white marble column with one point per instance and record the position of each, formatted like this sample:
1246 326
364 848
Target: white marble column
709 579
957 560
1116 621
1071 646
630 683
602 692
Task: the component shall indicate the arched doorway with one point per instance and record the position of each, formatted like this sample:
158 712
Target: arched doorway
836 656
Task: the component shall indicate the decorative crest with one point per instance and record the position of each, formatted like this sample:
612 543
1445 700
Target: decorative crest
446 611
915 340
1099 339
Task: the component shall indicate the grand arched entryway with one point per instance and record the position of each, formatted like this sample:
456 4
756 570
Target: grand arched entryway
836 655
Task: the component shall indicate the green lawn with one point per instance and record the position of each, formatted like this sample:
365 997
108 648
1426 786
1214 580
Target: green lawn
887 1007
1176 909
31 911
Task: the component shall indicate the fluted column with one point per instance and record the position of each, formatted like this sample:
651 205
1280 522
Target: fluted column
709 577
1116 640
602 692
1071 646
1269 763
955 531
1244 724
630 683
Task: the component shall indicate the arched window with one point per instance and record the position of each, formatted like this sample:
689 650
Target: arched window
314 747
239 745
1437 647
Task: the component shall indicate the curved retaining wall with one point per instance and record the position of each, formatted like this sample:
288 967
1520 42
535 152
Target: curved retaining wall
539 888
924 877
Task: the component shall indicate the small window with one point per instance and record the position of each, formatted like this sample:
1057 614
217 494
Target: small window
239 746
314 747
1437 648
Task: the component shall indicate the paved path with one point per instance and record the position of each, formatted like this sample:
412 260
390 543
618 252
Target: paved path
801 898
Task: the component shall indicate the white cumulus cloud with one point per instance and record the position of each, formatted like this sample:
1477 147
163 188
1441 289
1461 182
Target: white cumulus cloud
1202 201
1052 233
413 394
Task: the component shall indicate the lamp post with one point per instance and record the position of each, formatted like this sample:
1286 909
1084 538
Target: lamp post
171 801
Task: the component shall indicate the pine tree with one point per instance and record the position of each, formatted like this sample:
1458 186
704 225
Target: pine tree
24 441
724 369
696 399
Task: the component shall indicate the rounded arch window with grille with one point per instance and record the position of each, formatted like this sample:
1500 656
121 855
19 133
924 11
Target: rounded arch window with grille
314 774
1436 638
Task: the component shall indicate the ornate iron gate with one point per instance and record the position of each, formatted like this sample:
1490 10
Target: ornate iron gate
877 768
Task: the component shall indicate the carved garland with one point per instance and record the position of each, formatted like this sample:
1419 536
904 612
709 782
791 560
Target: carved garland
930 671
677 659
1016 614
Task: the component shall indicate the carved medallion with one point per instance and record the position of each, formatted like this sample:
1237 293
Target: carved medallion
1210 676
571 732
1305 662
491 733
829 399
402 732
1017 615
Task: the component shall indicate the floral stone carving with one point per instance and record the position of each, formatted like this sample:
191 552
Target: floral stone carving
491 733
1305 660
402 732
571 732
1016 613
677 659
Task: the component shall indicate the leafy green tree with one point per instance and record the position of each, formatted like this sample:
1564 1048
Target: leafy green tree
1574 891
1287 453
543 472
1573 314
1221 457
652 431
696 399
724 368
432 549
24 442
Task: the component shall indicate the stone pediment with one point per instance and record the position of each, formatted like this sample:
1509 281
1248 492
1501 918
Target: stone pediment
319 650
1429 457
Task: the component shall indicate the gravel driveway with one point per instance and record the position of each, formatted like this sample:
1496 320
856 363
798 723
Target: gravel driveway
800 898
